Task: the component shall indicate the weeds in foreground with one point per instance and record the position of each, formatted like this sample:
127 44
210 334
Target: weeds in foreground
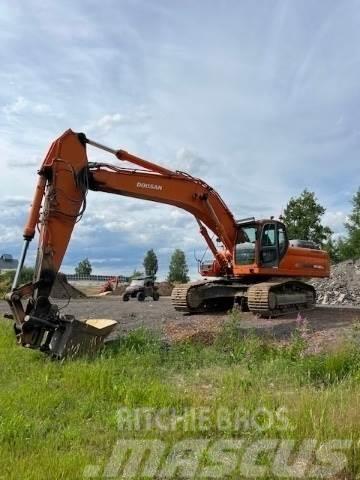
56 417
6 279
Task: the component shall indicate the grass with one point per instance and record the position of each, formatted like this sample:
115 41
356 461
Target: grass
58 417
7 277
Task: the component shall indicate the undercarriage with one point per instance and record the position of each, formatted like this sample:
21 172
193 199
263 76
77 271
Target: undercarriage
269 298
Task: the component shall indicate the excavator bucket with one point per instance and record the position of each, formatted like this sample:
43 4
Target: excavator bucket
75 338
59 336
43 327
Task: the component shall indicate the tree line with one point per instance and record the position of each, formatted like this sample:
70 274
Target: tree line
303 219
178 269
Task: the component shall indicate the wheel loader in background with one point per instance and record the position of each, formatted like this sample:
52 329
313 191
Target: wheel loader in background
255 268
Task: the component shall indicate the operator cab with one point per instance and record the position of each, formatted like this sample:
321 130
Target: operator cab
260 242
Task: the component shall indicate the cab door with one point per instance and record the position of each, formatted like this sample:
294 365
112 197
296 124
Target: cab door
273 244
269 249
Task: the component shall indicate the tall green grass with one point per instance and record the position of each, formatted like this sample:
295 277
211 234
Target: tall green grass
7 278
58 417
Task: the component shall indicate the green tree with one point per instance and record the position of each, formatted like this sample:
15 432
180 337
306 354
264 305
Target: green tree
302 217
150 263
344 249
178 269
84 267
333 248
351 247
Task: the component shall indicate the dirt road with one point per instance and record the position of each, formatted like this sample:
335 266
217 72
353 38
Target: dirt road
326 324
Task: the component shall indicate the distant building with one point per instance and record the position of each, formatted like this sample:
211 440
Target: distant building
7 262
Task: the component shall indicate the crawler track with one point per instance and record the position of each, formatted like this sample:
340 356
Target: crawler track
179 297
206 295
279 298
271 299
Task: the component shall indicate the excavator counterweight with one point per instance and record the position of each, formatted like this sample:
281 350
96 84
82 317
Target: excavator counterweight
256 268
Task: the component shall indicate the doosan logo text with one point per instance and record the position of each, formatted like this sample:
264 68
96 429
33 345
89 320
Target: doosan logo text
151 186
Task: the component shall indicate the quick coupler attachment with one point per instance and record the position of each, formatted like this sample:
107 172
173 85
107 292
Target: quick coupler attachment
67 338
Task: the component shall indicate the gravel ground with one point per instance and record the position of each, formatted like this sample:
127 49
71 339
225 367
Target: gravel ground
326 325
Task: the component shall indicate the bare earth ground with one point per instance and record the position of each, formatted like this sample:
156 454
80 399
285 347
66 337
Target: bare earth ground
327 325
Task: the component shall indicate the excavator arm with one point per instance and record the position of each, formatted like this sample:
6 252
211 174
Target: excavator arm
59 202
177 189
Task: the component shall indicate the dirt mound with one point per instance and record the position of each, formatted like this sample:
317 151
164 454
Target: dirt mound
63 289
201 330
165 288
120 289
343 286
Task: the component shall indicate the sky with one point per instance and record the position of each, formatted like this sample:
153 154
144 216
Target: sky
260 98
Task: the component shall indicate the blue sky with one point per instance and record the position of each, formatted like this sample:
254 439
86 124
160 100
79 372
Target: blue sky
260 98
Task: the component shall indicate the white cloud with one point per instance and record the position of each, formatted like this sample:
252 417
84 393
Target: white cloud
109 121
14 201
335 220
9 235
21 105
23 163
191 162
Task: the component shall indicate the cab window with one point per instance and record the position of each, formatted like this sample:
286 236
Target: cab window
245 245
268 238
269 249
282 240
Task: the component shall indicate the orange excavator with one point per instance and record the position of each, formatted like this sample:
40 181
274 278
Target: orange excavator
257 267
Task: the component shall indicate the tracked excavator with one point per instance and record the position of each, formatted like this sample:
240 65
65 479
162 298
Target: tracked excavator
256 267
